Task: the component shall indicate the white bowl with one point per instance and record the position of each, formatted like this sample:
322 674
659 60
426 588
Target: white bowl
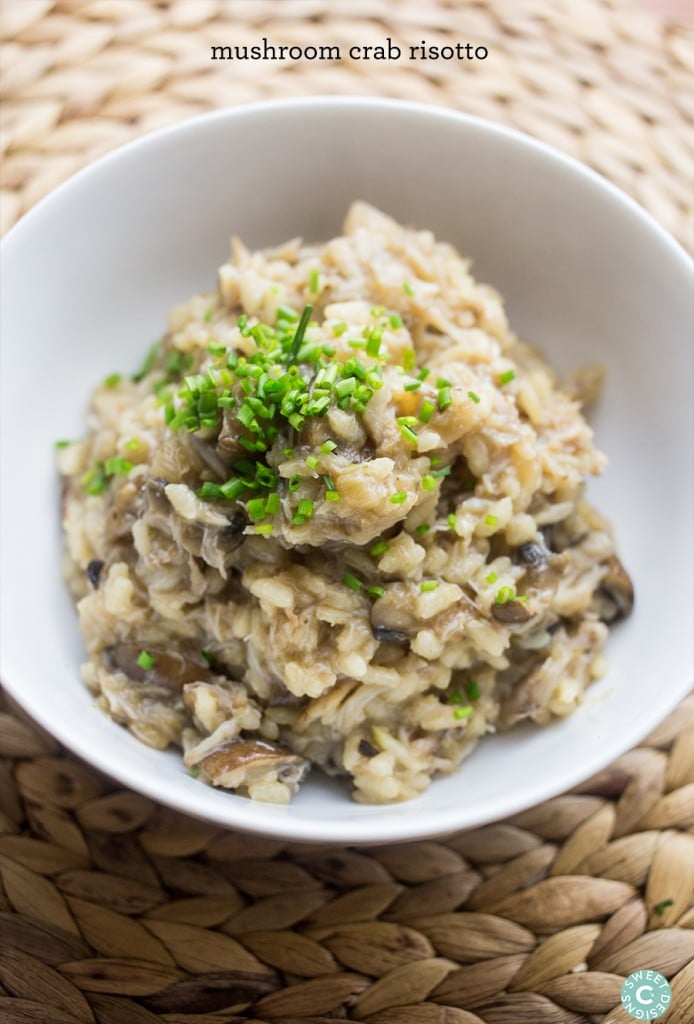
90 273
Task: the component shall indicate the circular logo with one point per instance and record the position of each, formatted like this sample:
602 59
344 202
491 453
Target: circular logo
646 995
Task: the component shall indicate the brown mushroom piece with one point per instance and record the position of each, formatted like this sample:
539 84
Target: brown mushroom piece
614 598
245 762
170 669
511 612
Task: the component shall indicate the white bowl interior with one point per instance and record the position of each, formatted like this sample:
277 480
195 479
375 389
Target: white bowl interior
89 275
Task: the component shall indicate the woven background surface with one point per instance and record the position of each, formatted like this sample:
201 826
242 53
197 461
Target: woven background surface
119 912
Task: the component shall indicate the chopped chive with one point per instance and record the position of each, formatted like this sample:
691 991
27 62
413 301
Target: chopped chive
395 321
300 332
332 495
62 444
208 315
116 466
133 444
210 490
436 460
328 446
339 329
351 581
256 508
661 907
232 489
506 377
379 548
505 595
464 712
287 313
445 471
452 521
409 359
295 482
472 689
264 529
428 586
272 504
427 411
305 508
375 592
408 434
298 520
311 461
398 498
330 486
473 397
95 481
442 382
288 453
491 578
422 528
444 399
113 380
147 364
455 697
423 374
145 660
216 348
407 288
490 520
208 656
314 281
428 482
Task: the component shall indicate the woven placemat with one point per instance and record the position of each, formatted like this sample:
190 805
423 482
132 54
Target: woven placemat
117 911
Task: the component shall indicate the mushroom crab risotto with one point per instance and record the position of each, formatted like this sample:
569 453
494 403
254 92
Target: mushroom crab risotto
337 518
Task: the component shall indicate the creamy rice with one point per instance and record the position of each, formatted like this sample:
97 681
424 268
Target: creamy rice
353 536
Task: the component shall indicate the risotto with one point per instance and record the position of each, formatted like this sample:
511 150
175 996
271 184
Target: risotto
338 518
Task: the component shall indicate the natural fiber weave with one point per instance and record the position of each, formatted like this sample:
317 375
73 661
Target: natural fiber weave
119 912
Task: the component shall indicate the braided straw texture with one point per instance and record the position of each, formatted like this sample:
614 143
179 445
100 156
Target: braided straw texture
117 911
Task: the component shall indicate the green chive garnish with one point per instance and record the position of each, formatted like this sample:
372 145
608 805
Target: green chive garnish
472 689
506 377
145 660
351 581
428 586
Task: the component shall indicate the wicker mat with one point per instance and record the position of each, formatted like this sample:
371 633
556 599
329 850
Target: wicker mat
119 912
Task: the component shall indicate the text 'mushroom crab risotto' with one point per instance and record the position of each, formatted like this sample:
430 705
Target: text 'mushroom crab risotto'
338 518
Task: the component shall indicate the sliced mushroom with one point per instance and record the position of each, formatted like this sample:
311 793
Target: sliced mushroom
229 440
248 762
511 612
94 572
367 749
386 634
533 555
614 598
170 669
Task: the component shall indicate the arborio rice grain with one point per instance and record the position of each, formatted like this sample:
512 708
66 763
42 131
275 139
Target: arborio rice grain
353 536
